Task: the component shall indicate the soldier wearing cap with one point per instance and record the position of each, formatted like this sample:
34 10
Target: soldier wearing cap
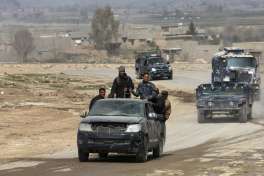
122 85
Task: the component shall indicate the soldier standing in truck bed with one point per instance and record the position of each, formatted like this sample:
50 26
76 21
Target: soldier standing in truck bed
122 85
146 90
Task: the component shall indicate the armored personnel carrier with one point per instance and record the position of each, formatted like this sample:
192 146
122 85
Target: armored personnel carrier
238 66
230 99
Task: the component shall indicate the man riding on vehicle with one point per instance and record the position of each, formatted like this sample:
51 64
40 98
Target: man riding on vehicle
100 96
122 85
162 105
146 90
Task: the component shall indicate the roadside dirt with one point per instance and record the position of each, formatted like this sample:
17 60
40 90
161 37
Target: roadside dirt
40 112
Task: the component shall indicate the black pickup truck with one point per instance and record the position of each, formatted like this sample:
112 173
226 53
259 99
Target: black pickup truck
121 126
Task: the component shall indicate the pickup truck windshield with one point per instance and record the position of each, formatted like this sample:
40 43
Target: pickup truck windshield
118 108
242 62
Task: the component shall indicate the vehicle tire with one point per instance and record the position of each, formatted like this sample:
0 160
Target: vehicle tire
249 115
83 156
201 116
103 155
170 77
209 115
157 152
142 155
243 114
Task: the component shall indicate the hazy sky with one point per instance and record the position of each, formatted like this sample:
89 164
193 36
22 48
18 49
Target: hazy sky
132 3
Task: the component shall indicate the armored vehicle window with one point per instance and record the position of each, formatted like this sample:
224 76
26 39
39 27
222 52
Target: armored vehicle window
155 60
224 89
242 62
117 108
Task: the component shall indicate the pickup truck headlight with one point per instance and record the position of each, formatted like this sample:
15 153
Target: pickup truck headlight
210 104
170 69
231 103
133 128
201 103
153 69
85 127
226 79
251 72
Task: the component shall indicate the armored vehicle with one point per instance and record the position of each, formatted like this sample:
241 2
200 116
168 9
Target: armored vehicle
230 99
121 126
236 65
154 64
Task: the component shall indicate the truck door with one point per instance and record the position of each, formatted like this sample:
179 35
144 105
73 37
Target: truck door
154 125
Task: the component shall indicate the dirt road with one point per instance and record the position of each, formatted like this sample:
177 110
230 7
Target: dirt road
223 147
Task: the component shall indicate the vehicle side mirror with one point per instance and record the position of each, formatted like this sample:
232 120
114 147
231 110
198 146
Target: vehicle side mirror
160 117
168 62
84 114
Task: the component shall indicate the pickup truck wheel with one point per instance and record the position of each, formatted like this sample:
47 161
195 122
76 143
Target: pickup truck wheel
249 116
157 152
201 116
103 155
83 156
243 114
209 115
170 77
142 154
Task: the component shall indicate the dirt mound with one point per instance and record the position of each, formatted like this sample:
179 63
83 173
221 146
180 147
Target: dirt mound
185 97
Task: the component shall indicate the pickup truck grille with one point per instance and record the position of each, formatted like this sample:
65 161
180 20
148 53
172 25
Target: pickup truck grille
109 129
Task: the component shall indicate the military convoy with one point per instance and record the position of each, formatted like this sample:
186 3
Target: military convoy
153 63
132 126
234 88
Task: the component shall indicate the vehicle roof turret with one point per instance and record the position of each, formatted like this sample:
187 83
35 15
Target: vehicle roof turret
233 52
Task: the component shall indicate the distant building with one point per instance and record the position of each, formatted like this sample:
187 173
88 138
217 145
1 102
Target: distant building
80 38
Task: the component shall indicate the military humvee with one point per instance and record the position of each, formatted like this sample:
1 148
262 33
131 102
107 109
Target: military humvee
153 63
236 65
218 99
